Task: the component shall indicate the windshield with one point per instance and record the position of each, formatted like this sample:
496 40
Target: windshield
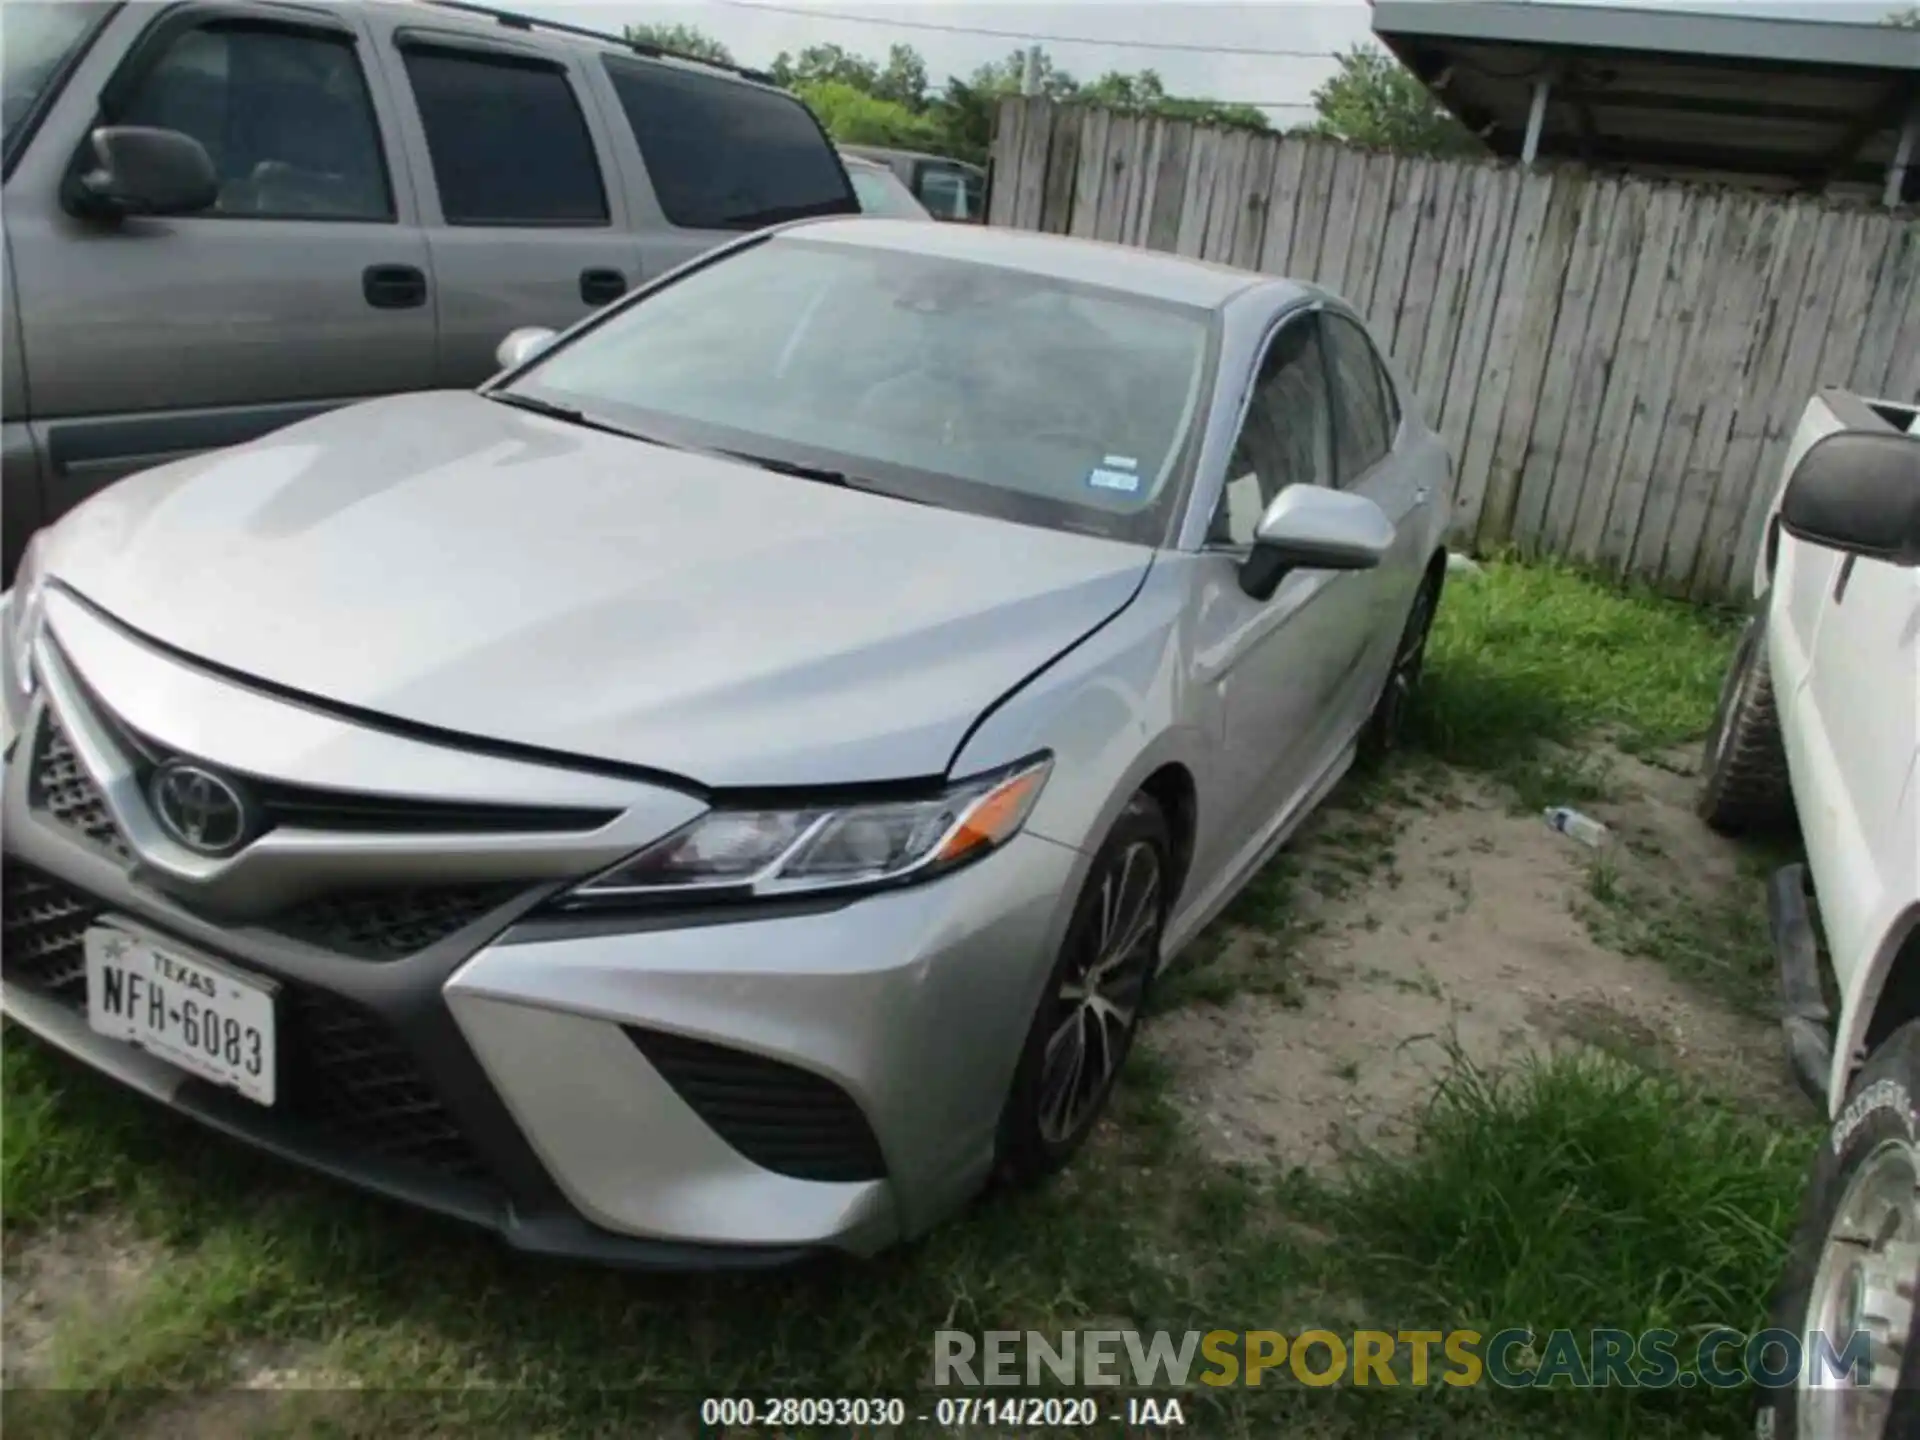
965 385
881 194
37 37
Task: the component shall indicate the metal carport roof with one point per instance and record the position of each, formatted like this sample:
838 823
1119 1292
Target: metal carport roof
1785 103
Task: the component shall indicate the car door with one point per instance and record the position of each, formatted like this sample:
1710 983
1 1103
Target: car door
708 156
303 286
524 223
1372 460
1852 730
1273 664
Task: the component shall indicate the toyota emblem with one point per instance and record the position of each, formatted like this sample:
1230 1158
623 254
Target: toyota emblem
204 811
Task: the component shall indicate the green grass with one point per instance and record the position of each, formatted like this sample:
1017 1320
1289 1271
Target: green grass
1719 944
1528 656
1573 1194
1576 1194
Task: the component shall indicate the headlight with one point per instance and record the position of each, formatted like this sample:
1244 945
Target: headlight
25 615
739 852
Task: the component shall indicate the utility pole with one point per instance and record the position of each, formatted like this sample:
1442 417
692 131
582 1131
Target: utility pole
1030 76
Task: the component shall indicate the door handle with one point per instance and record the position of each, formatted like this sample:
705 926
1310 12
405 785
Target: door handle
394 287
602 287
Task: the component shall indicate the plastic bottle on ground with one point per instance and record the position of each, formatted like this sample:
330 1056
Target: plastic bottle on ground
1584 828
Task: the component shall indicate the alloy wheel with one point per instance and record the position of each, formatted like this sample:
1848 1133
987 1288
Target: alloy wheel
1409 662
1865 1281
1099 996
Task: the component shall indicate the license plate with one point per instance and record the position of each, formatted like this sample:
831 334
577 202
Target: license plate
188 1010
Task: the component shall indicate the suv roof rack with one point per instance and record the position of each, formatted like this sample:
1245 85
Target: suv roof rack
516 21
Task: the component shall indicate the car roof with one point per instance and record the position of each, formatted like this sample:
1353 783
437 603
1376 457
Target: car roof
559 34
1151 273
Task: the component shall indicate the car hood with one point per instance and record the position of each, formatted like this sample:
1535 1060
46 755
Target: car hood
450 561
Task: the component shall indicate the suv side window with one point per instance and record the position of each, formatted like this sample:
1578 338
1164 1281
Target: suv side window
508 142
285 116
1286 437
1364 434
725 155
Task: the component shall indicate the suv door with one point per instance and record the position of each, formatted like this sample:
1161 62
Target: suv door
522 224
710 156
1370 461
1275 663
303 287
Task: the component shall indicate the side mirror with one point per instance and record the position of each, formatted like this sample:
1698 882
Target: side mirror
1858 491
139 170
1311 528
522 345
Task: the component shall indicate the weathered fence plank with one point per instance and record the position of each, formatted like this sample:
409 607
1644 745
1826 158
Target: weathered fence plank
1475 487
1636 498
1651 266
1283 199
1617 365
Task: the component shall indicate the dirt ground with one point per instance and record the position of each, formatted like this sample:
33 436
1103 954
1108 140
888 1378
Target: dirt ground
1471 937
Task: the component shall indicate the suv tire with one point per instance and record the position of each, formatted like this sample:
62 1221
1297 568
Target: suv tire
1746 789
1850 1234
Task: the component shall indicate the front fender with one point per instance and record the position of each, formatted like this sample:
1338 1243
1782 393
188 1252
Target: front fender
1109 711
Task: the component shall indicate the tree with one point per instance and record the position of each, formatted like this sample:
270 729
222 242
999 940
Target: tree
903 79
852 116
820 63
1144 94
1375 100
1009 77
687 39
963 115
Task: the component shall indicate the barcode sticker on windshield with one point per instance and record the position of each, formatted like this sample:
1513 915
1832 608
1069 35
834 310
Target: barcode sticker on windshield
1104 479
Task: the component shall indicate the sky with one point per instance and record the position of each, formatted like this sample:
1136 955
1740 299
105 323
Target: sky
1131 36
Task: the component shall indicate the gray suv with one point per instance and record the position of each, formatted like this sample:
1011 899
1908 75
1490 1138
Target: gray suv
221 218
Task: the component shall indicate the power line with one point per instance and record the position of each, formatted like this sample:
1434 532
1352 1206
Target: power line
813 14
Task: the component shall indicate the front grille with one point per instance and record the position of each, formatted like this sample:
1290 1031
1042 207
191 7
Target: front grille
306 807
388 924
345 1076
61 787
348 1076
42 930
785 1119
385 923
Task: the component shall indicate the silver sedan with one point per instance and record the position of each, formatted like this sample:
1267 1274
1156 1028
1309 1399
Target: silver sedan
722 790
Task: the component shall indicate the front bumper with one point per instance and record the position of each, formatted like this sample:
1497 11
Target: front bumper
686 1091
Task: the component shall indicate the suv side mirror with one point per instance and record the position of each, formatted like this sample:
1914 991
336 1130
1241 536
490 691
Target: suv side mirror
1858 491
1308 527
140 170
522 345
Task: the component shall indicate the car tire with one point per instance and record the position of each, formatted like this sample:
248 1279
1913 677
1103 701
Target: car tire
1114 934
1865 1180
1386 726
1746 789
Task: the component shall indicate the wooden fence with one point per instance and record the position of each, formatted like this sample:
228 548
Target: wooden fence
1616 364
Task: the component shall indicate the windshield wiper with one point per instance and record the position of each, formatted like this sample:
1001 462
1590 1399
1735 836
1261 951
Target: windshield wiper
824 474
540 407
533 404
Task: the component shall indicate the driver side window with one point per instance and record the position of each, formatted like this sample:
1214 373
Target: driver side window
1286 437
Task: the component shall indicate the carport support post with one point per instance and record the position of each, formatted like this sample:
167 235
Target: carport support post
1536 119
1902 157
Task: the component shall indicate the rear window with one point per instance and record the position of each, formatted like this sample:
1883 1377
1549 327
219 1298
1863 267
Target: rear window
725 155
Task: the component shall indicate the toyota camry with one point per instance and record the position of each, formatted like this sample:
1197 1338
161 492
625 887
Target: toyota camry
723 790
